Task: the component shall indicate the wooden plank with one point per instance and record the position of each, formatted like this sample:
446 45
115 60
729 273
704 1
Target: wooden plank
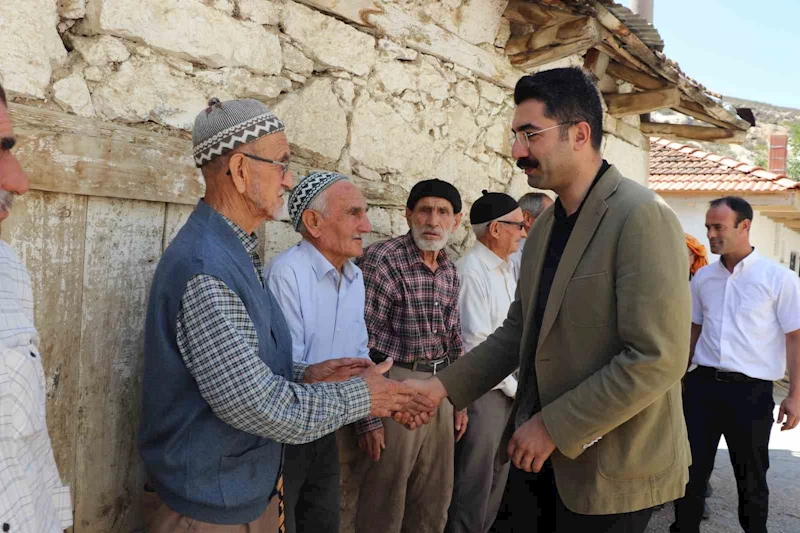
70 154
174 219
695 110
123 242
596 62
553 43
620 105
47 231
525 12
636 77
694 133
413 31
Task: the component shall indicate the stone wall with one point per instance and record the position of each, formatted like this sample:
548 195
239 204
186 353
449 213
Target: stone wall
389 110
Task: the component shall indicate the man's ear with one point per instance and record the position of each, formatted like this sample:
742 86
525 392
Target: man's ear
239 173
583 136
312 220
457 221
746 225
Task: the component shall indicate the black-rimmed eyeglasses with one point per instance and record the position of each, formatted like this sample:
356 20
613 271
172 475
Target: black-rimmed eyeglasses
519 225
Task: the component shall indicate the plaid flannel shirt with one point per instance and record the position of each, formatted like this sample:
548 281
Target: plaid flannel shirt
219 345
411 312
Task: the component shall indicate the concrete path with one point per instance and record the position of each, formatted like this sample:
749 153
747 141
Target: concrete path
784 484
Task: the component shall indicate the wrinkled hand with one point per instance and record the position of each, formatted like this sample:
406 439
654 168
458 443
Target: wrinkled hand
430 389
460 423
390 397
531 445
336 369
789 413
372 443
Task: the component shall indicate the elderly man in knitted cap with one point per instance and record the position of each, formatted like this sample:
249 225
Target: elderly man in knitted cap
412 316
488 281
321 293
220 390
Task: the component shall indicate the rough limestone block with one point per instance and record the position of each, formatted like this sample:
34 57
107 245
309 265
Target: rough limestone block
295 61
381 140
145 89
29 46
394 76
99 51
73 96
261 11
189 29
316 124
330 42
72 9
467 94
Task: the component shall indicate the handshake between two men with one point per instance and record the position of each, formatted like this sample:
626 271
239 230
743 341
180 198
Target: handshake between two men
413 403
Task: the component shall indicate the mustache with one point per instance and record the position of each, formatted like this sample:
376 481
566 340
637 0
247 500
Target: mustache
527 162
6 200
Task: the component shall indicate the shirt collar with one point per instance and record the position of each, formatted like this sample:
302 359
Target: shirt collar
488 257
249 241
322 266
416 255
747 262
561 213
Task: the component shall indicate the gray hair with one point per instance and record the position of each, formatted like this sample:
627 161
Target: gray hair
318 204
534 203
482 229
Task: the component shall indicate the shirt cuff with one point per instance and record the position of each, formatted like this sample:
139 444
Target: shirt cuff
371 423
299 371
62 503
357 399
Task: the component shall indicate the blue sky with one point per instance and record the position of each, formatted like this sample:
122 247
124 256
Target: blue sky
743 48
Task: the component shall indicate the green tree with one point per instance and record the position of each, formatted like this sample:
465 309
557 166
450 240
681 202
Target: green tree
793 159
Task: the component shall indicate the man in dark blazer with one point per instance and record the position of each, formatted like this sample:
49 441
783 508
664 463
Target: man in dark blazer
598 327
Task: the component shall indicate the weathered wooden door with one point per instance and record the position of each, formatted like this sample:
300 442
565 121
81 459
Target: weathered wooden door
104 202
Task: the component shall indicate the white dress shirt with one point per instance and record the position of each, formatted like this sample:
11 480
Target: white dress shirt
745 316
516 257
32 497
488 285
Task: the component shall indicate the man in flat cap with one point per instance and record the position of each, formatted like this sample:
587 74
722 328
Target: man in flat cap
220 391
488 282
412 317
321 293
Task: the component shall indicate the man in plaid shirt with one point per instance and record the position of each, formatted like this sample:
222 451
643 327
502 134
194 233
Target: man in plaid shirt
412 316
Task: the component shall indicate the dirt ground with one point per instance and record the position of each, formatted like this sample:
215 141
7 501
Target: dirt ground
784 484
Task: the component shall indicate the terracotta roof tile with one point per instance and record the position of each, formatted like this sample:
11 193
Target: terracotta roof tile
677 167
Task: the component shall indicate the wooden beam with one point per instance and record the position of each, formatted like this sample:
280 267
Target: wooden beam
695 110
776 210
596 62
553 43
410 29
694 133
636 77
620 105
69 154
528 13
793 225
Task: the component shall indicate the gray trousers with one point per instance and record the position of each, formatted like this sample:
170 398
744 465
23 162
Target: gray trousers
479 480
409 489
311 486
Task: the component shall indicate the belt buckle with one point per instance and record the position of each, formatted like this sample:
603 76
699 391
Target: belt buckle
435 365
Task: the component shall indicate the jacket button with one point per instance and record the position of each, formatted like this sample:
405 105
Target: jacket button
34 356
6 527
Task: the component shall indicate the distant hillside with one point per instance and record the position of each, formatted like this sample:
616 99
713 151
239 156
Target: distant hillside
769 119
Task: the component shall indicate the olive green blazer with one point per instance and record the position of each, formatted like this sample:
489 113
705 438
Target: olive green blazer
611 352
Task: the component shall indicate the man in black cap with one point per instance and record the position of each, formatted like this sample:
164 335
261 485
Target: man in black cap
412 316
488 280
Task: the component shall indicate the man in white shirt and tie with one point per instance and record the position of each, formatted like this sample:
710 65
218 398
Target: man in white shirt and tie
745 331
32 497
488 283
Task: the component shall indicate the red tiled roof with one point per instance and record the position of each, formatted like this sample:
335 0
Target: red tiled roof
676 167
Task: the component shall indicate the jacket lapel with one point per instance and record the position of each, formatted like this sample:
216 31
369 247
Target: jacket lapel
589 219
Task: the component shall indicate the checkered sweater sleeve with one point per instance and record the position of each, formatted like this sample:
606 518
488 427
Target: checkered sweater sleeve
219 346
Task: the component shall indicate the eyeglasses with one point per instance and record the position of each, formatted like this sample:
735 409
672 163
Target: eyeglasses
520 225
283 164
523 137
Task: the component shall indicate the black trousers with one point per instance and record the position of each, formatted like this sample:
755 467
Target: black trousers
742 412
531 504
311 486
